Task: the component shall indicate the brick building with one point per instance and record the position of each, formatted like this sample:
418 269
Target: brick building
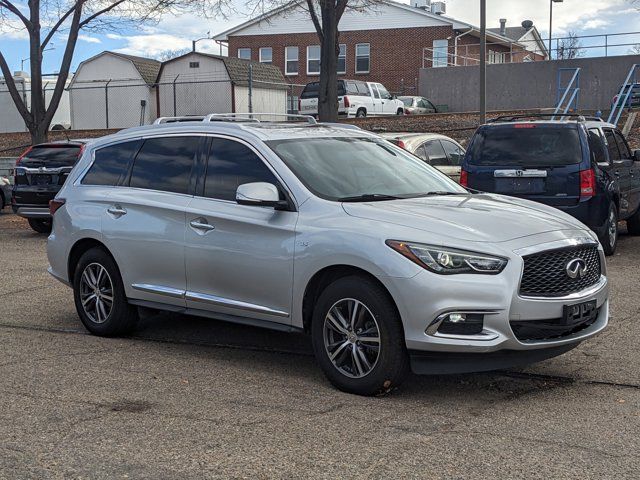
387 43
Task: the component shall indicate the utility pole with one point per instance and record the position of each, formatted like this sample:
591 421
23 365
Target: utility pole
551 2
483 61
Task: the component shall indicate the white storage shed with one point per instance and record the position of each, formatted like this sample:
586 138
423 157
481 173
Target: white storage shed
113 90
199 83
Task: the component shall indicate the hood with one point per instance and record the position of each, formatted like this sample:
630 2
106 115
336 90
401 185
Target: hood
474 218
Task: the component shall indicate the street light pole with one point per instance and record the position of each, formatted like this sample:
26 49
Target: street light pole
483 61
551 2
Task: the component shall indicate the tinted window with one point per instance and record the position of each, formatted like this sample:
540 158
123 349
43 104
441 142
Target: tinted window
230 165
437 155
614 153
625 152
51 157
526 145
596 145
165 164
111 164
453 151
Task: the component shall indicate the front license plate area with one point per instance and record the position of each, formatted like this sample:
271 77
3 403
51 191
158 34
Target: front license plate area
580 313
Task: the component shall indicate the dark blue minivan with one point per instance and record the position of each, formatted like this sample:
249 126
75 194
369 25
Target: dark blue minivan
581 166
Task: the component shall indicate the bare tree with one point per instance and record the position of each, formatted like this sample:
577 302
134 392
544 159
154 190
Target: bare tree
570 47
171 54
44 19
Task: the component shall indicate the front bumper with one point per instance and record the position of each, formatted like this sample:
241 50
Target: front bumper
427 296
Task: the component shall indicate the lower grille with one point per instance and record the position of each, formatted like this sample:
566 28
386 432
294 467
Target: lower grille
545 273
536 330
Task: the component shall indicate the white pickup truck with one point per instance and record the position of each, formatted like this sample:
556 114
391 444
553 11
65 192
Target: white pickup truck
355 99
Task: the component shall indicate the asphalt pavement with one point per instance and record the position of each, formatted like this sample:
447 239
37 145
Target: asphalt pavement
193 398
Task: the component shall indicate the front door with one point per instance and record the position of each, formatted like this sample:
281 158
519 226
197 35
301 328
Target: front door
620 171
239 258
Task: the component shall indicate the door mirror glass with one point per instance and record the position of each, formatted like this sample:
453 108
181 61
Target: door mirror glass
259 194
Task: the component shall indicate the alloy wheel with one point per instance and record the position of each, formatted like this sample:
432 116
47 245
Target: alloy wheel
96 293
613 228
352 338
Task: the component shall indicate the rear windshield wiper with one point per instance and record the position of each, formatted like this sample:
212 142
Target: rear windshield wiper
369 197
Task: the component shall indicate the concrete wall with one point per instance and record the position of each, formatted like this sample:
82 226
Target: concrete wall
526 85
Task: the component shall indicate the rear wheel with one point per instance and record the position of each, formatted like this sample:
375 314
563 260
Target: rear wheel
40 225
99 295
361 113
358 338
609 239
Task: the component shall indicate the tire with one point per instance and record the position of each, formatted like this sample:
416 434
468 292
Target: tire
40 225
117 319
377 318
609 238
1 202
400 111
361 113
633 223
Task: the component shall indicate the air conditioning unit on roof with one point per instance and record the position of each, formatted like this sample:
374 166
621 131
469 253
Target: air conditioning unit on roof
439 8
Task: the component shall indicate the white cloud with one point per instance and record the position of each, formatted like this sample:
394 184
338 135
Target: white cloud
89 39
152 45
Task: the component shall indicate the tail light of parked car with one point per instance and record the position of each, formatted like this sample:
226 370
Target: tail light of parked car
19 176
407 111
347 103
401 144
464 178
55 204
587 183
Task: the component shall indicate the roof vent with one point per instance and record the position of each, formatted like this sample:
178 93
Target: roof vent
422 4
527 24
503 26
439 8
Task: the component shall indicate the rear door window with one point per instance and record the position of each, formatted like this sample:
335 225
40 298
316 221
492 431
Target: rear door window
436 154
230 165
51 156
453 151
526 145
612 146
165 164
111 164
597 146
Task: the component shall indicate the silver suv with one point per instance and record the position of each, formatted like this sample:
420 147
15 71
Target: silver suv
326 229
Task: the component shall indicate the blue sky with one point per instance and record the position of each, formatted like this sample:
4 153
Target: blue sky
586 17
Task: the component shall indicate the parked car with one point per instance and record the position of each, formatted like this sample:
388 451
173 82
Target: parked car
325 229
355 99
581 166
417 105
439 151
38 175
5 191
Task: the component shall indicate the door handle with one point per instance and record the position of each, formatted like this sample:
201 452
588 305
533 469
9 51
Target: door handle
117 210
202 225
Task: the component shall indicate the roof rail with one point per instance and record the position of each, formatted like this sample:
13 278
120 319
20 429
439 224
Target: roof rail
183 118
572 116
250 117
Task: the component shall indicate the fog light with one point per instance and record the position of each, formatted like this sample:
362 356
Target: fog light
456 317
457 323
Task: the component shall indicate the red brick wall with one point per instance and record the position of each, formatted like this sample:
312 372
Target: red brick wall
396 54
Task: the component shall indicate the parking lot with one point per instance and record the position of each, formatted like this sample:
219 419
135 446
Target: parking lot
194 398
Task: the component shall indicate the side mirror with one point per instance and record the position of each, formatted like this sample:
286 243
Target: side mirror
636 155
259 194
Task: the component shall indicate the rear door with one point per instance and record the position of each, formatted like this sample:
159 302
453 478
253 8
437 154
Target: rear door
620 170
378 105
388 106
634 174
538 161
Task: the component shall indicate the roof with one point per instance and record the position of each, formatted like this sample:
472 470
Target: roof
238 70
518 33
148 68
514 33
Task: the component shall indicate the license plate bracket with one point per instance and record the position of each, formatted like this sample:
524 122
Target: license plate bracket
579 313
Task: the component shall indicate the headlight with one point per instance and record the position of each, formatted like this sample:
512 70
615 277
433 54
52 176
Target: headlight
447 261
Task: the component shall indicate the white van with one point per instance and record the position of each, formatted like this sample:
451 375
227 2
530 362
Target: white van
355 99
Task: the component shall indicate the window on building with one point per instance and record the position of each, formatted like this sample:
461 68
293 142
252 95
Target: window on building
496 57
266 55
363 58
111 164
313 60
244 53
440 53
194 64
342 59
230 165
291 61
165 164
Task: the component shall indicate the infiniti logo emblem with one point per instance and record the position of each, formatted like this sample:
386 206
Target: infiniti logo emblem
576 268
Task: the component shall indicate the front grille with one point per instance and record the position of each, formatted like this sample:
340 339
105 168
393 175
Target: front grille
538 330
545 273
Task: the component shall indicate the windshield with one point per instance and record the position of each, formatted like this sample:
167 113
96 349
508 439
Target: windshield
526 145
344 169
408 101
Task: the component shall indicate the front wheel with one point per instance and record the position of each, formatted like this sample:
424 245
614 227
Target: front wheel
358 338
609 239
400 111
40 225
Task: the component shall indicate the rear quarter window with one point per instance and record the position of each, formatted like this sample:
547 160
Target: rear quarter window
111 164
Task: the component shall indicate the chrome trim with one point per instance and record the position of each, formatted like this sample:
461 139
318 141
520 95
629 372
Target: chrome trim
159 289
227 302
485 336
432 329
520 173
33 212
45 170
592 290
556 245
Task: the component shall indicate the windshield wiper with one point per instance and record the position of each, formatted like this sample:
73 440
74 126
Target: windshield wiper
369 197
438 193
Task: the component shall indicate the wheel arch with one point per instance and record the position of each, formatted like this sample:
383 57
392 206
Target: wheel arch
323 278
80 248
